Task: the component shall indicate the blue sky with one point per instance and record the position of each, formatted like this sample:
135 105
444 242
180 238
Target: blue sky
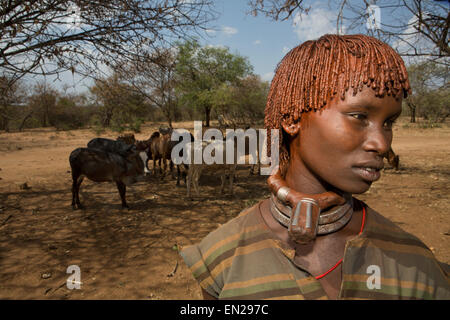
263 41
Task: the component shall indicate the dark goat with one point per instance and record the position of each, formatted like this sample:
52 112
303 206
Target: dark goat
102 166
114 146
128 138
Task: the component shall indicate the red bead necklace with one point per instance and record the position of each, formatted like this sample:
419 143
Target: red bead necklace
340 261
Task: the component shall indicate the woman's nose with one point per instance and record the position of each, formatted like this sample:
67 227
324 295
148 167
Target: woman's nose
378 140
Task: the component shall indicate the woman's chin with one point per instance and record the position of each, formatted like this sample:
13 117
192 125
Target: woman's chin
359 188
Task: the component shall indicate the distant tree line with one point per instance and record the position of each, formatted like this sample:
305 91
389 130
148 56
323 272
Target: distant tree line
184 82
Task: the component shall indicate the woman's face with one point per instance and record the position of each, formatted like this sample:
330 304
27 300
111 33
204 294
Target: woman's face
343 144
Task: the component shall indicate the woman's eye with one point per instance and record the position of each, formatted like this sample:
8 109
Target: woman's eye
359 116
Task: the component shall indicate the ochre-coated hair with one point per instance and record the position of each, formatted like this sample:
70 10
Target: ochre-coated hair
311 74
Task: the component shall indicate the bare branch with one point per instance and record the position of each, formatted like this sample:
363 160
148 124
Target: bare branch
51 36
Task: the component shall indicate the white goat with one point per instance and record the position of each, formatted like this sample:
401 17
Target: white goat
215 148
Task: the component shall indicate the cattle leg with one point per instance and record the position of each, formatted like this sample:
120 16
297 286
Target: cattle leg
74 190
154 165
231 182
178 175
396 162
223 177
164 168
171 167
77 180
189 181
196 178
122 190
146 161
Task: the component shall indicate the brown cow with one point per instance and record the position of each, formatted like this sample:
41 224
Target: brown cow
392 158
160 149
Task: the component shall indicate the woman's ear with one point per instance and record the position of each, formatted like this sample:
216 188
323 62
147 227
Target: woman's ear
292 129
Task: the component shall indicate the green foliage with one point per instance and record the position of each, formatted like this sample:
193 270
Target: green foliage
43 103
201 73
119 105
68 114
244 102
136 124
431 92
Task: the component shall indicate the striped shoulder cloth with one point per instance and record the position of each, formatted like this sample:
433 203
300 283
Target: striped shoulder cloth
242 259
386 262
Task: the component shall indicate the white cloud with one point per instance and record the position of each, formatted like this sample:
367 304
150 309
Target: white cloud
229 31
256 42
267 76
285 50
315 24
412 42
220 46
211 32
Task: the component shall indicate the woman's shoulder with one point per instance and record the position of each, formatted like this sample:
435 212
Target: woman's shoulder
407 268
247 221
377 223
225 237
382 230
207 258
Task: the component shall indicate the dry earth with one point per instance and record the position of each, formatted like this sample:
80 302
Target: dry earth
131 254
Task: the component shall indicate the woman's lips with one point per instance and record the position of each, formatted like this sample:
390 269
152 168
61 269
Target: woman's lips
367 173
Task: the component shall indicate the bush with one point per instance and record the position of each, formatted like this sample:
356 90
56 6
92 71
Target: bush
73 117
135 125
429 125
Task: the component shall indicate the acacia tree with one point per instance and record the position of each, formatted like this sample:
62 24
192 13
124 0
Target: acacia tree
51 36
43 102
118 102
201 71
153 78
243 103
431 95
413 24
12 92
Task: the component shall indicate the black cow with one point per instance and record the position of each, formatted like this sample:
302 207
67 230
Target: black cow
102 166
114 146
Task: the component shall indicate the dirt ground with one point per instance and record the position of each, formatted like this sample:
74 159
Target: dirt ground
131 253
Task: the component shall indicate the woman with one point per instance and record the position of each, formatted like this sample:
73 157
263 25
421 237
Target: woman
334 100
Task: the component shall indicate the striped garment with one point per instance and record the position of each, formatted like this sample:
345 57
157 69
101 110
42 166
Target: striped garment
243 259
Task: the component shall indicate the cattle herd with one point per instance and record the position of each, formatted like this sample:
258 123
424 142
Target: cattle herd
125 161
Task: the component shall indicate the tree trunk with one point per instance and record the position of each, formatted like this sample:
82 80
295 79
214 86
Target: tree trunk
4 121
207 116
5 124
24 120
107 118
43 120
167 112
412 108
